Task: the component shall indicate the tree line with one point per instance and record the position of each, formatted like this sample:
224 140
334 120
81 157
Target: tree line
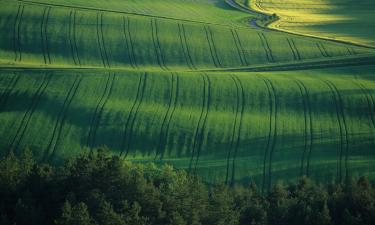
98 188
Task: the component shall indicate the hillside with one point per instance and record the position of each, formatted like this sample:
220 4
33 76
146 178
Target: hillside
184 82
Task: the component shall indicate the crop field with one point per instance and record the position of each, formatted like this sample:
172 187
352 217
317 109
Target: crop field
336 19
184 82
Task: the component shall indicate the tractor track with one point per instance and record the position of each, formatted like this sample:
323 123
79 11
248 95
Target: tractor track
239 128
129 42
271 134
266 48
204 124
198 129
44 37
20 132
342 128
158 50
5 95
57 130
211 44
17 35
185 46
99 110
164 130
240 51
129 127
99 34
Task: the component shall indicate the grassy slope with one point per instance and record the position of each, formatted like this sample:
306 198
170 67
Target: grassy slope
225 126
176 117
69 37
336 19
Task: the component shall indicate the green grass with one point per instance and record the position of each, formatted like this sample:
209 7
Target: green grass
175 82
336 19
210 123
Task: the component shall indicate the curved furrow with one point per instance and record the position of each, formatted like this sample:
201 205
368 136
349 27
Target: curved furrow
42 35
103 41
269 139
167 117
99 39
4 97
296 50
242 96
305 102
187 47
336 100
272 149
266 47
204 123
75 36
240 56
310 123
198 127
61 116
132 120
341 107
292 49
233 129
101 109
17 29
90 136
183 43
369 100
130 115
156 42
128 41
14 144
46 35
70 37
213 52
241 47
15 33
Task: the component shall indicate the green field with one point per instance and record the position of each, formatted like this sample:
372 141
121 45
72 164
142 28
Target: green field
345 20
184 82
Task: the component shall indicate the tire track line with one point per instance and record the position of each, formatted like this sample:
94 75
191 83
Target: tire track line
291 48
296 49
344 123
8 90
240 56
20 132
17 35
307 125
241 47
99 38
322 50
57 130
129 127
370 101
233 130
341 129
128 41
184 46
239 83
163 138
204 124
42 35
155 38
212 47
98 110
198 127
75 36
272 133
309 109
103 40
266 48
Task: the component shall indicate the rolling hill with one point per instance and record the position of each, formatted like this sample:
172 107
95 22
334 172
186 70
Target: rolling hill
185 82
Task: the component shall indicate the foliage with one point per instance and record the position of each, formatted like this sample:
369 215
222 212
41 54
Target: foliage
97 188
